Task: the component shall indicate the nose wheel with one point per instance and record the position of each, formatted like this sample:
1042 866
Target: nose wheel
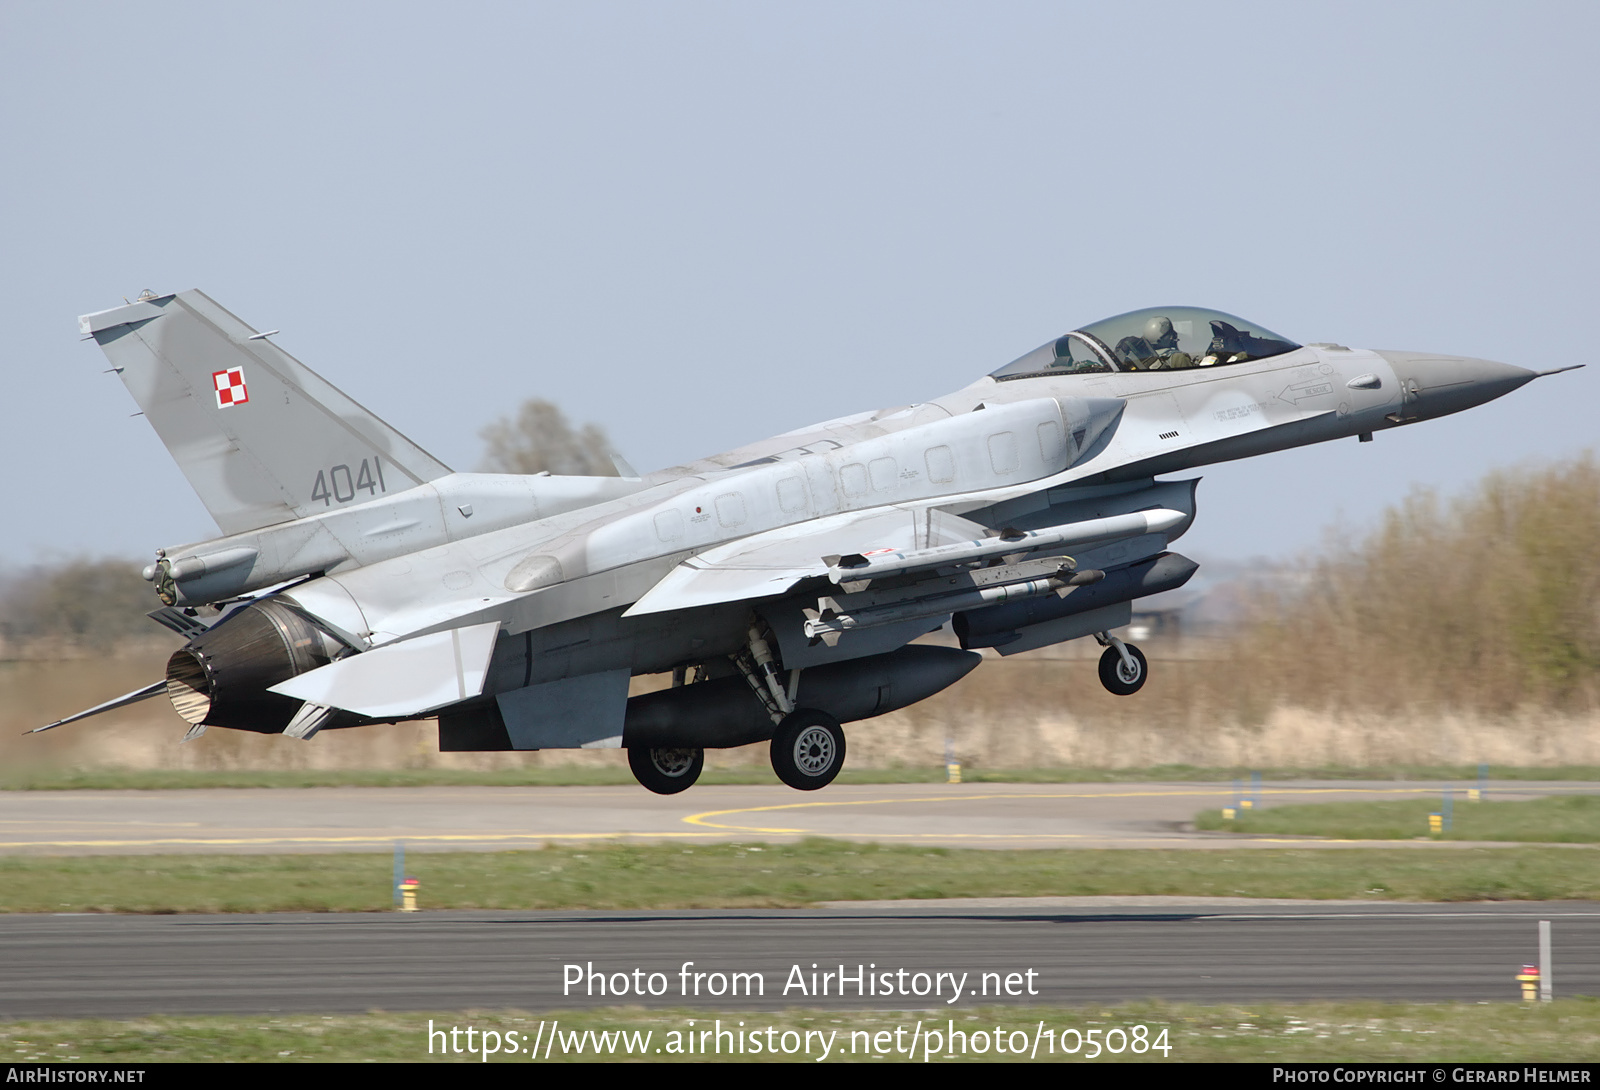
667 771
808 749
1123 668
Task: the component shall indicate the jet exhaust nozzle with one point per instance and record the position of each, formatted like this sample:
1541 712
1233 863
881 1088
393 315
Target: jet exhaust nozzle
221 677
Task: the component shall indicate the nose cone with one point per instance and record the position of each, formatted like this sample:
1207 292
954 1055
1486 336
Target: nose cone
1439 385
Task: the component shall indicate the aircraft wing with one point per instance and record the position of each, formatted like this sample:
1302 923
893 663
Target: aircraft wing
771 563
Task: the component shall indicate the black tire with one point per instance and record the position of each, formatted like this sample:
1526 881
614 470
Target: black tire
808 750
1114 676
667 771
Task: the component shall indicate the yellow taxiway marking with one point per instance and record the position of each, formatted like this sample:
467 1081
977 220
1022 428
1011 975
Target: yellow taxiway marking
389 838
703 817
381 842
703 820
93 821
378 838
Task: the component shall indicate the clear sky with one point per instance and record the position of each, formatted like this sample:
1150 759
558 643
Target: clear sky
698 224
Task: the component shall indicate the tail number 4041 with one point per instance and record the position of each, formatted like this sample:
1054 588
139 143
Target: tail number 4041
340 484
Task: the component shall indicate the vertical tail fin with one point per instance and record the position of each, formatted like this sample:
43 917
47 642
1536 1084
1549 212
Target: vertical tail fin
262 438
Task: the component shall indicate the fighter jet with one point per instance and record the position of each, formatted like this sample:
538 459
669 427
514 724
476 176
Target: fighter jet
359 581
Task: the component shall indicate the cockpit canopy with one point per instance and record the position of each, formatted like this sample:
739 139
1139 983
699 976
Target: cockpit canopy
1153 339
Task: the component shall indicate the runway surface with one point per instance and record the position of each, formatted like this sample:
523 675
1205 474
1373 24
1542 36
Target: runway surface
1065 951
1150 815
122 966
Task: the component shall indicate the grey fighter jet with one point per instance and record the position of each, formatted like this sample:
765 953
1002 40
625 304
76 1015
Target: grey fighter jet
359 581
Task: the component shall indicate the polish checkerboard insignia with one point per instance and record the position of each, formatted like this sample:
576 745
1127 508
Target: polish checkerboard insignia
230 387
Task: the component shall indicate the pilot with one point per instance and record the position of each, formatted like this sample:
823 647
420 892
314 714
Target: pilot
1156 349
1163 342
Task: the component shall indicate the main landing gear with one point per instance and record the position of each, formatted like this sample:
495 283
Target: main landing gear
807 743
1123 668
667 771
808 749
808 746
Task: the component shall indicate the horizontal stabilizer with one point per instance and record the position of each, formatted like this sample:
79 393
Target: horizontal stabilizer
120 702
402 679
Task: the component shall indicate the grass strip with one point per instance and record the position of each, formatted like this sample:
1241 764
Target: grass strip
1354 1031
48 779
1562 819
776 876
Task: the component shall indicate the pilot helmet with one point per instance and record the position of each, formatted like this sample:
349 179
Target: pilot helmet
1158 331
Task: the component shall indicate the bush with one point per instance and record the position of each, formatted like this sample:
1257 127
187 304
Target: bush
1490 602
84 604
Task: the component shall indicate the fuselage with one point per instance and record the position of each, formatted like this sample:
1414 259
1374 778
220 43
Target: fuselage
559 585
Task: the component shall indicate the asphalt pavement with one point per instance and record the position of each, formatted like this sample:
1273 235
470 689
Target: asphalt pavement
930 955
987 815
946 958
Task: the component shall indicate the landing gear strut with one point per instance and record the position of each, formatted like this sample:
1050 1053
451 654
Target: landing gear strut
808 746
1123 668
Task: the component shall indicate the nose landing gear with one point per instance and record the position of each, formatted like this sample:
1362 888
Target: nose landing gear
1123 668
